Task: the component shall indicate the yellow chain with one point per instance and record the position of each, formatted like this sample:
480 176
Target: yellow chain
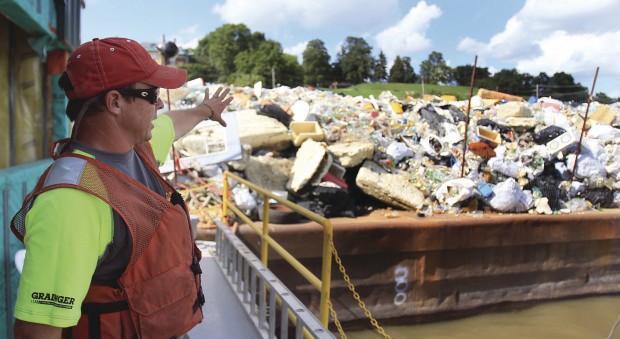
336 321
357 297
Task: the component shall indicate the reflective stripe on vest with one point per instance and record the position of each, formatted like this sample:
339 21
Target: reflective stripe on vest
67 170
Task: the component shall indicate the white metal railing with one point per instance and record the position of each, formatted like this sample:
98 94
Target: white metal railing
257 288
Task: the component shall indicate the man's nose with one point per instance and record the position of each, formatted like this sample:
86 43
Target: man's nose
160 104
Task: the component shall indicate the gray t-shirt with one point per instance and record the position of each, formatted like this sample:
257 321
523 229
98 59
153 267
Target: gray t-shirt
118 253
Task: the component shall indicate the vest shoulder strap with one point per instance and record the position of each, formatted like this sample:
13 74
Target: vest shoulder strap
65 170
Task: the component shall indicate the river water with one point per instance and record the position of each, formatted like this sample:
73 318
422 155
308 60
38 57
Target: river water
582 318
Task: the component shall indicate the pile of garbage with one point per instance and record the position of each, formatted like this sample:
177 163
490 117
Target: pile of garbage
340 155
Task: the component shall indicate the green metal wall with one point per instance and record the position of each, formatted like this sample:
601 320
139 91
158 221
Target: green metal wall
35 17
15 182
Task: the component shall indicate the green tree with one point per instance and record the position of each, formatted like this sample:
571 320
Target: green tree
337 74
316 67
541 79
462 75
603 98
540 82
410 76
562 86
258 61
512 82
397 72
219 48
434 69
356 60
199 70
291 72
379 72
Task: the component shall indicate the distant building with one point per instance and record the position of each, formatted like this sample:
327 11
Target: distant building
151 47
154 50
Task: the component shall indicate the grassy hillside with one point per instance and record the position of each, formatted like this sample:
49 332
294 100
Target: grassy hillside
402 90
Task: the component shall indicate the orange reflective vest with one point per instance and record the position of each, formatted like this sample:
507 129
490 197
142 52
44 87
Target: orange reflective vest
159 294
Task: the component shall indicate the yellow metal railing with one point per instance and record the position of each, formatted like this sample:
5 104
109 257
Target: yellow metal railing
323 284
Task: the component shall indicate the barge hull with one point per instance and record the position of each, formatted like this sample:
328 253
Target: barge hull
409 269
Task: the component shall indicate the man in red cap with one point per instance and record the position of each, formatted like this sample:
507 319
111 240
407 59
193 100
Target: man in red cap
110 250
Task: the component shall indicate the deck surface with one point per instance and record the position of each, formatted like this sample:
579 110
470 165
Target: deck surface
224 316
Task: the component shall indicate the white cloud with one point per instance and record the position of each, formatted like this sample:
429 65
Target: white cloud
191 30
272 16
188 37
334 52
409 34
470 45
557 35
580 53
297 50
191 43
615 93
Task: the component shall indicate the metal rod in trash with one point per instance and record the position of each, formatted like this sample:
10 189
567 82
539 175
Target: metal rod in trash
471 91
173 149
583 126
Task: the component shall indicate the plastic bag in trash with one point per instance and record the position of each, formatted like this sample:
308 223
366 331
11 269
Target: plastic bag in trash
398 151
513 169
594 149
452 134
434 146
454 191
562 170
433 119
551 117
379 139
599 197
508 197
493 125
244 199
548 134
548 185
549 102
575 189
577 205
455 112
587 167
603 132
332 201
212 170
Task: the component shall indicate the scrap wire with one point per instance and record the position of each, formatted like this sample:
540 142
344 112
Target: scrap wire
206 187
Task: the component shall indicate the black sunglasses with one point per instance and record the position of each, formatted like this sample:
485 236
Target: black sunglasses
149 94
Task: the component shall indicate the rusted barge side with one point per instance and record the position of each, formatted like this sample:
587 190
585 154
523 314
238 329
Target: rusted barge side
412 269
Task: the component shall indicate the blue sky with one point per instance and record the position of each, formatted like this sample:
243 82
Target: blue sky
533 36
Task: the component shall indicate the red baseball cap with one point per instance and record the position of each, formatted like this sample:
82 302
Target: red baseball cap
110 63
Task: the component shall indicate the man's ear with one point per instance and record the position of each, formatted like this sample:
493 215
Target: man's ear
113 102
